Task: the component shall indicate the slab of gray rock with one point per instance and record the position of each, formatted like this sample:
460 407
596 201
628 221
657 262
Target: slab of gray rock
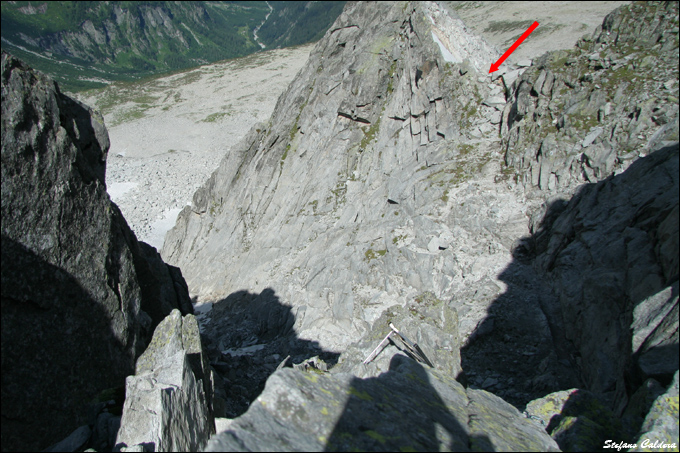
406 407
80 298
361 216
168 402
74 442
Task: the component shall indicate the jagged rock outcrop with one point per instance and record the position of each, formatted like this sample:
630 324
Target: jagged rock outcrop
80 295
168 402
408 407
582 115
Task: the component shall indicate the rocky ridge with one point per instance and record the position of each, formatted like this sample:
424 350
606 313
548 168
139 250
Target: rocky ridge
388 93
584 114
415 197
593 284
408 200
80 295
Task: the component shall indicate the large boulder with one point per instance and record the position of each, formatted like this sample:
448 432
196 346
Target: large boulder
80 295
407 408
168 402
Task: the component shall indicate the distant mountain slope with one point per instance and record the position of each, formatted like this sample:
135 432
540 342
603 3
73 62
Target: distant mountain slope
295 23
85 44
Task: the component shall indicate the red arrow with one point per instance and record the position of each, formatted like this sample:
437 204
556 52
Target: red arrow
494 67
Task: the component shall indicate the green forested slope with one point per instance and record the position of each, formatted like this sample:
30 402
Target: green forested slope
294 23
83 44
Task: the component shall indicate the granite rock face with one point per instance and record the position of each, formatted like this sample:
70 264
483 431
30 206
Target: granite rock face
395 170
168 402
347 201
608 255
407 407
584 114
80 295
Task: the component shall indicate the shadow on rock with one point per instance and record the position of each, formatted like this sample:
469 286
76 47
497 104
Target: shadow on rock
59 351
519 351
248 337
592 299
378 410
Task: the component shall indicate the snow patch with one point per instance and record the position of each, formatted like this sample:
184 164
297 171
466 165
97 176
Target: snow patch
162 226
448 56
117 190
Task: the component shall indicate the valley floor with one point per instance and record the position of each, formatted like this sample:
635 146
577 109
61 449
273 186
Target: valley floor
169 134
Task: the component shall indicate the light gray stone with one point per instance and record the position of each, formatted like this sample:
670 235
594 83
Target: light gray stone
168 403
408 407
497 102
592 135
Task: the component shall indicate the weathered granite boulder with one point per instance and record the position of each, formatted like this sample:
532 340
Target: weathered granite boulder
168 402
406 408
661 423
80 298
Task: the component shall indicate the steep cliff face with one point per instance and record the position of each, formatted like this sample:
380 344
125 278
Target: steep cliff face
612 255
80 295
343 203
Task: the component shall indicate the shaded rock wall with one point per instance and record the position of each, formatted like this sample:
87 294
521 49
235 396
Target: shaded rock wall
611 255
80 295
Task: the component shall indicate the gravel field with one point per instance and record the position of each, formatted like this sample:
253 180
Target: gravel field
169 134
561 24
